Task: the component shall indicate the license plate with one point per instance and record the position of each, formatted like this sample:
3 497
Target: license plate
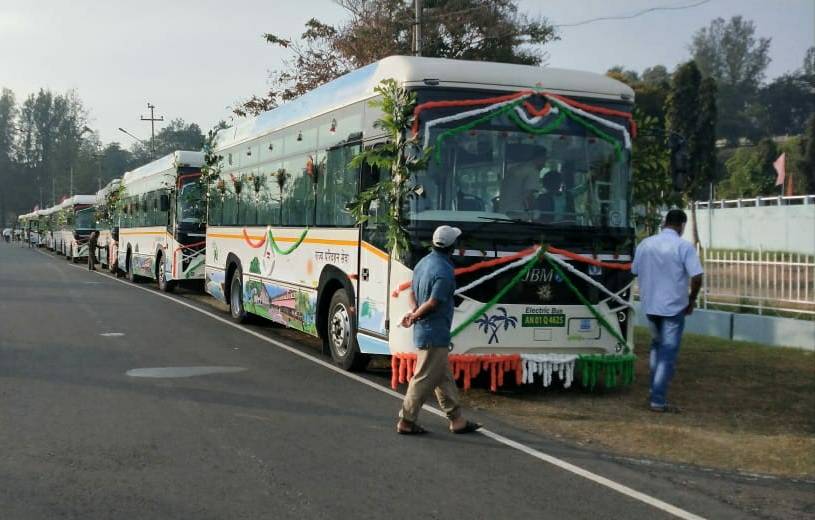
543 320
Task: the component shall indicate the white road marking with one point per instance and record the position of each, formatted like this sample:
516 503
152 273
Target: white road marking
173 372
532 452
112 334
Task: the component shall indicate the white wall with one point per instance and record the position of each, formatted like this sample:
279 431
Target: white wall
771 228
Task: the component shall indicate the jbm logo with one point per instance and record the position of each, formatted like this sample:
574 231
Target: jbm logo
541 275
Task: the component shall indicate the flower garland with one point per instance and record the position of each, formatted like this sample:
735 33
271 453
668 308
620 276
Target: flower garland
613 369
546 365
463 366
466 367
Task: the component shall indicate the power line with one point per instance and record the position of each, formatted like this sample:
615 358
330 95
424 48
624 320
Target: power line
635 15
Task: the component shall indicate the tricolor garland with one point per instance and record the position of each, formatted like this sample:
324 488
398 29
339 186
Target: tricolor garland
513 106
613 369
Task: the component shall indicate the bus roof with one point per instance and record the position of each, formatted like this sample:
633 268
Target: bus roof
78 199
112 185
359 85
171 161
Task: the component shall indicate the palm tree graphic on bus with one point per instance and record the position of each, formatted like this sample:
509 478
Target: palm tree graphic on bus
492 324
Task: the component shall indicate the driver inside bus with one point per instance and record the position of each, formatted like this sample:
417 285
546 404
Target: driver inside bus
521 182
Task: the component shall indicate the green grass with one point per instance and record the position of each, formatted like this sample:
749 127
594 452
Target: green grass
746 407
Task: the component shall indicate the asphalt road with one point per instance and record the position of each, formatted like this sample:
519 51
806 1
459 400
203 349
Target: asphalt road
287 437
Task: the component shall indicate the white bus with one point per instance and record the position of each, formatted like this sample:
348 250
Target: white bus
74 222
48 219
282 245
105 221
161 230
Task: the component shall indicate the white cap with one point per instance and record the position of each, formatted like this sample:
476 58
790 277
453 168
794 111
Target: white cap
445 236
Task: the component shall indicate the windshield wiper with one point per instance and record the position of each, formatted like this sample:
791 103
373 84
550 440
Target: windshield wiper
513 221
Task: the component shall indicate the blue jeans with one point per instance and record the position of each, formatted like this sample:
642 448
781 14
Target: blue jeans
666 334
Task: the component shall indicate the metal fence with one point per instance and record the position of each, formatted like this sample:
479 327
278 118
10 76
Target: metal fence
761 280
792 200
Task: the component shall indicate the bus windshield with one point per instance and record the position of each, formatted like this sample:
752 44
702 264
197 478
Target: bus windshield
190 203
496 171
85 218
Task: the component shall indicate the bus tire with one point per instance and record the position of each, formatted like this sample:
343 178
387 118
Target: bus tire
236 310
164 285
341 334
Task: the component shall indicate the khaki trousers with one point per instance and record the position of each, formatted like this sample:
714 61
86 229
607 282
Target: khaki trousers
432 375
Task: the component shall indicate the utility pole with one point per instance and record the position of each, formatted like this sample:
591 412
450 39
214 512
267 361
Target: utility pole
417 29
152 120
71 191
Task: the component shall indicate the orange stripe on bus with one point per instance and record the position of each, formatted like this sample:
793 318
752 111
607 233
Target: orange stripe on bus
324 241
132 233
377 252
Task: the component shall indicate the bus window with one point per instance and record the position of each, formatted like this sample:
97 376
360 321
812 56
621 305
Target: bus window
337 186
298 193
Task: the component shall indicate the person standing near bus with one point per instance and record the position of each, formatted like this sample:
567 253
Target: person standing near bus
93 240
666 264
431 301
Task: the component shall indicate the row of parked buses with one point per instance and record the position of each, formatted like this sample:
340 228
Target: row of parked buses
275 237
151 222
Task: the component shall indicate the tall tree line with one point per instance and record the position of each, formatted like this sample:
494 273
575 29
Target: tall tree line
736 123
48 151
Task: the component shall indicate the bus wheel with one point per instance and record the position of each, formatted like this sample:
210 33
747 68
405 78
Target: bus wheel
236 309
164 284
341 336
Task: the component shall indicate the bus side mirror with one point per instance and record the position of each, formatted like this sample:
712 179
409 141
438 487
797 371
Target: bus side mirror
679 161
164 202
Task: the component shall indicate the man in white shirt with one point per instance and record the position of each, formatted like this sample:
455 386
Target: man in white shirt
666 264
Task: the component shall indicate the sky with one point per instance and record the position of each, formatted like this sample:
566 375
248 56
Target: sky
194 59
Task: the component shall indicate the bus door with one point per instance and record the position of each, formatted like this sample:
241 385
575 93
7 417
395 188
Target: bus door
374 269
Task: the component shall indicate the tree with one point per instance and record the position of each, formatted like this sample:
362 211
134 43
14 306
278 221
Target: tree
618 72
730 53
691 112
750 171
177 135
787 102
8 115
51 130
705 139
806 165
489 30
656 75
808 67
650 179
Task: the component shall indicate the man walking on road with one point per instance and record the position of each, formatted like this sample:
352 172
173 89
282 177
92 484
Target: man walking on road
92 247
431 301
665 265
